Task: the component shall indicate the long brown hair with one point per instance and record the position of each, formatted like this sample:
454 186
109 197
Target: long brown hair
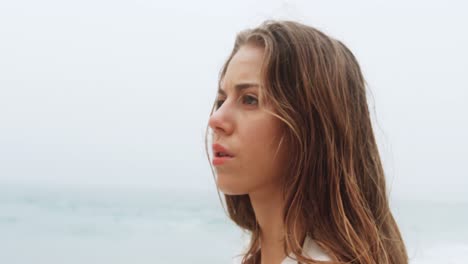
336 186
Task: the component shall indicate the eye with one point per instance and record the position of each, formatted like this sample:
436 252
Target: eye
250 100
219 102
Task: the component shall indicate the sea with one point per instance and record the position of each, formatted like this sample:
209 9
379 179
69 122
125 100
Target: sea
66 224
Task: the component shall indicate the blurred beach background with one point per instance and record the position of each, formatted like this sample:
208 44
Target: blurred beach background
63 224
104 105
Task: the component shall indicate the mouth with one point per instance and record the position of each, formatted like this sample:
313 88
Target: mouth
220 160
221 155
221 151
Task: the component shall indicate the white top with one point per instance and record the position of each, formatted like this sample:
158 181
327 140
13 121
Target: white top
310 249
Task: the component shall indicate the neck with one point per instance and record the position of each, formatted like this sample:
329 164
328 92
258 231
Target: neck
268 207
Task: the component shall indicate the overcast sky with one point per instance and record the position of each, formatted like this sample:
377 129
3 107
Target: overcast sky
119 92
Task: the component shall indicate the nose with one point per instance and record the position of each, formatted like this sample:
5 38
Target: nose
221 121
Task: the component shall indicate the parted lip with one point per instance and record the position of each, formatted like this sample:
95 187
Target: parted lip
218 148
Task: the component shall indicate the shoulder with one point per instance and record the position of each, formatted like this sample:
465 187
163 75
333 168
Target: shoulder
310 249
313 250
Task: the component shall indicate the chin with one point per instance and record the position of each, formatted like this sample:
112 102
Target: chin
231 188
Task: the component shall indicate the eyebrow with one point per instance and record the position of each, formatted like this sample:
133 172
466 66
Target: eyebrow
239 87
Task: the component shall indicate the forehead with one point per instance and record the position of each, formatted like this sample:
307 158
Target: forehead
244 67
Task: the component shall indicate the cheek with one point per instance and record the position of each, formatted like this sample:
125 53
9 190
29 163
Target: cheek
258 163
261 144
263 137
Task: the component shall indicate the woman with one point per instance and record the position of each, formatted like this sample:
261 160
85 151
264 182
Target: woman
294 151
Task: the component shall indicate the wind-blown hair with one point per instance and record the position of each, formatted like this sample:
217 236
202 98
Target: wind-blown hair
336 183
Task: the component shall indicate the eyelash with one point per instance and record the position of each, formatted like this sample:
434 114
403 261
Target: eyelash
220 102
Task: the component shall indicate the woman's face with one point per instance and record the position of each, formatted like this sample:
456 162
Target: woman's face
243 129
